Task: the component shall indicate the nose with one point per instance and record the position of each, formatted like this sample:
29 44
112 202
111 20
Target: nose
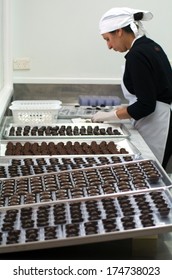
109 46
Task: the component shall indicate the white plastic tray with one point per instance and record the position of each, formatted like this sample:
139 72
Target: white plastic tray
35 111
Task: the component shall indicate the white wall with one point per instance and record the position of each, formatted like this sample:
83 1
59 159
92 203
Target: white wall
6 89
1 46
62 40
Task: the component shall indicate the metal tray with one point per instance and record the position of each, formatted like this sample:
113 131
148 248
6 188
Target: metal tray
25 165
83 221
119 142
82 183
55 131
77 111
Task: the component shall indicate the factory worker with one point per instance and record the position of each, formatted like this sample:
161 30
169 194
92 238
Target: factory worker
147 79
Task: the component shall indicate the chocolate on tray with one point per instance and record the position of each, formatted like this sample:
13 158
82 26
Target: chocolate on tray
63 130
57 221
68 148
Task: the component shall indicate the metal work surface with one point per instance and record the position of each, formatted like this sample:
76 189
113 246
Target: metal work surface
107 206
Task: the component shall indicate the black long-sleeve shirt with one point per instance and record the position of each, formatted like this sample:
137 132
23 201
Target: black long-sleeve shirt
148 75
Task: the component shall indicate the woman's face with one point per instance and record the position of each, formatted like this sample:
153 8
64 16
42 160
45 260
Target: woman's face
116 40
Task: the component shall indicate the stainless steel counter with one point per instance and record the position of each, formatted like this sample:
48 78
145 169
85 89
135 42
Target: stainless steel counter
80 236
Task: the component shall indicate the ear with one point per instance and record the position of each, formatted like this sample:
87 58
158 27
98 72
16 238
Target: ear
119 32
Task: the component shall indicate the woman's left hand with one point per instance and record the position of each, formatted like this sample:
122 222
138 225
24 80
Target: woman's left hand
105 116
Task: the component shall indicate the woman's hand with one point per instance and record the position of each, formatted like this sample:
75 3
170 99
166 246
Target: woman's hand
105 116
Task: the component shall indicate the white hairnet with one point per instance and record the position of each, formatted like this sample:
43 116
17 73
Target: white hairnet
117 18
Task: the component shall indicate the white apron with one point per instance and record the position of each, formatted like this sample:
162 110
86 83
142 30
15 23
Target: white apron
153 132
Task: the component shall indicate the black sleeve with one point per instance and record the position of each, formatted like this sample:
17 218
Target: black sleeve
139 76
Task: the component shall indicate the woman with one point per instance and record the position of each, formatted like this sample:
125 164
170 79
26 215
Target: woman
147 79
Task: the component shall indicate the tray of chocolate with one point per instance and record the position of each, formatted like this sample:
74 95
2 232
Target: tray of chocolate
81 221
64 130
24 166
69 111
69 147
82 183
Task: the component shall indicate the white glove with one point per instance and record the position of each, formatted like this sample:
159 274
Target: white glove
105 116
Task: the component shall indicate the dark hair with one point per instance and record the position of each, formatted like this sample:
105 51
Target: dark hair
137 16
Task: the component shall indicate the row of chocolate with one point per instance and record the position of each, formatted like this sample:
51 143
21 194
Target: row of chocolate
61 148
79 183
31 166
63 130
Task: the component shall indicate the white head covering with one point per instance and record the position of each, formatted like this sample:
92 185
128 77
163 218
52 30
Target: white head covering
117 18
